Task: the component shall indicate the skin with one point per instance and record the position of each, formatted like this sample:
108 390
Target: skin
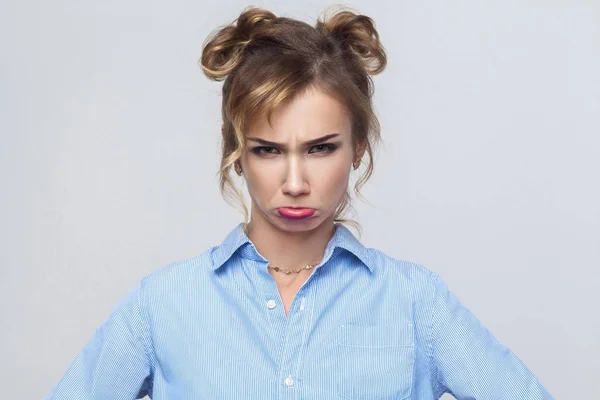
294 173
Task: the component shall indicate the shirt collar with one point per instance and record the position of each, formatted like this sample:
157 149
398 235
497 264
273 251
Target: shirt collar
237 239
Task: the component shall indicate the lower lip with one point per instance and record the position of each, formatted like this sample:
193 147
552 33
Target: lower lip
295 213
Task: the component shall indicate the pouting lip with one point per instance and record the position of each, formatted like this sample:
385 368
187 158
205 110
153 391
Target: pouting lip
297 208
309 212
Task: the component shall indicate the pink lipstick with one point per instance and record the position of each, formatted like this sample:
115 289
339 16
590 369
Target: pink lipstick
295 213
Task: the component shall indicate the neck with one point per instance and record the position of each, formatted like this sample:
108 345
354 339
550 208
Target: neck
289 250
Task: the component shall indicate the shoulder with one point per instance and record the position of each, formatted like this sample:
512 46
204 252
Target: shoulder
178 274
411 276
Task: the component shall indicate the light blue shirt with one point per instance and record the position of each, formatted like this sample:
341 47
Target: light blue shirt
363 326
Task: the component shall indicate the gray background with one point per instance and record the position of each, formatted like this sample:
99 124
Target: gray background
488 174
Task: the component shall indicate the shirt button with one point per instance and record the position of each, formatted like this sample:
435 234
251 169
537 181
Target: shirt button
289 381
271 304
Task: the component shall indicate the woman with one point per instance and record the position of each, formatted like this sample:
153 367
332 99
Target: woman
291 304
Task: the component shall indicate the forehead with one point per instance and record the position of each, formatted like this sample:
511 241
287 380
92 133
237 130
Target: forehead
309 115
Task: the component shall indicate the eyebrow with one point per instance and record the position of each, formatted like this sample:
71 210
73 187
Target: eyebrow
307 143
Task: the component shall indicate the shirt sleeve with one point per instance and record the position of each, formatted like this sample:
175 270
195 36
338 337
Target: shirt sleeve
116 362
468 361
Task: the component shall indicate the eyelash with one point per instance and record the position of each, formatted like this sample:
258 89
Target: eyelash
329 148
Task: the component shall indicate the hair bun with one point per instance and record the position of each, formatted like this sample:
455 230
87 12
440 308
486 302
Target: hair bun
357 32
223 49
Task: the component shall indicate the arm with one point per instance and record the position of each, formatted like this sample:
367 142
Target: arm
468 361
116 362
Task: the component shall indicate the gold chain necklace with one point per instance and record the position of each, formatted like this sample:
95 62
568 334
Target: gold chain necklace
307 267
289 271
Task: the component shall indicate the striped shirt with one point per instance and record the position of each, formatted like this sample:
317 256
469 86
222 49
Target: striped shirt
363 326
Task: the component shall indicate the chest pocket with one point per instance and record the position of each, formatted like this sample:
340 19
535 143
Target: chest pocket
376 362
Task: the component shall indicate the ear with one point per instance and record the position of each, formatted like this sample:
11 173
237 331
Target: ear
361 148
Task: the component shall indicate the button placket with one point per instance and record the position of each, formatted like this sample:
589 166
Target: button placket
289 381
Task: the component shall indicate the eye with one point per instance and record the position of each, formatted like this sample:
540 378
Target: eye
261 150
323 148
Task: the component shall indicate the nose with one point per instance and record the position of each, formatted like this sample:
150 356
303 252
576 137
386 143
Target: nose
295 183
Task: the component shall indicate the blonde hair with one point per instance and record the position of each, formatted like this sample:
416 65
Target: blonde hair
267 60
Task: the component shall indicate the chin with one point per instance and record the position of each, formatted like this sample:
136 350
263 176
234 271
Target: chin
298 225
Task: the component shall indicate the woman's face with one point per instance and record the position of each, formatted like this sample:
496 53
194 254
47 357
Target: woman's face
303 160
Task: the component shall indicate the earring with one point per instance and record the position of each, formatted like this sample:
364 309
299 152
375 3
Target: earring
238 169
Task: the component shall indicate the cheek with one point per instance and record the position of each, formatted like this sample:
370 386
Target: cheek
336 177
259 180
